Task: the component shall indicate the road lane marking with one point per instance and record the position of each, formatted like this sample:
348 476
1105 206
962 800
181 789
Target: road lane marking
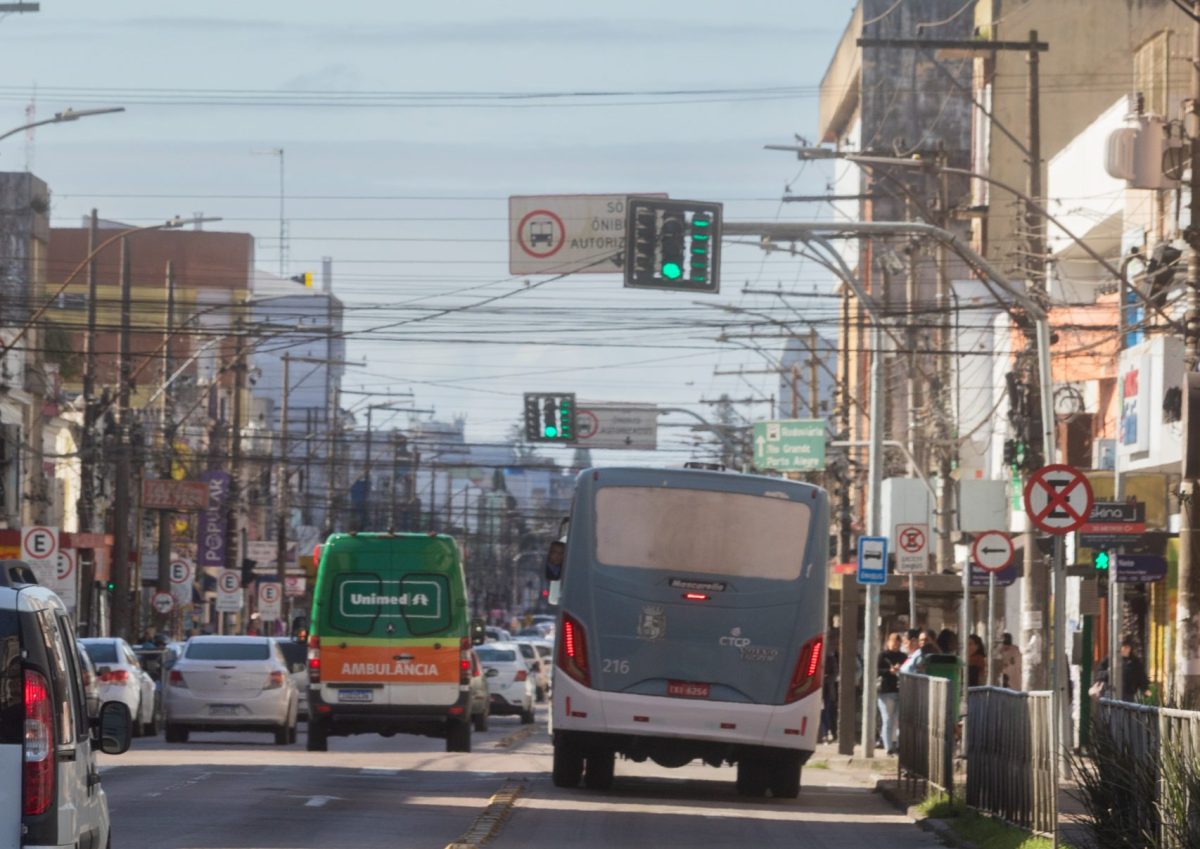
516 737
488 824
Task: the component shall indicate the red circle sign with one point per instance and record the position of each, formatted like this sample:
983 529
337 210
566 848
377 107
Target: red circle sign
163 602
40 543
1058 499
541 228
992 551
230 582
912 540
268 593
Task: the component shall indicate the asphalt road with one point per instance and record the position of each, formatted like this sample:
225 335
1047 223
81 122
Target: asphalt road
229 791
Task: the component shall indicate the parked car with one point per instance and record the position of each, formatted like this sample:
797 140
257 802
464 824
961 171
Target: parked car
50 791
510 686
231 684
538 668
295 652
122 679
481 700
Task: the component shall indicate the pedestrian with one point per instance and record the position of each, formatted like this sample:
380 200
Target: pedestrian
912 648
1010 663
948 641
888 667
976 661
1134 681
829 690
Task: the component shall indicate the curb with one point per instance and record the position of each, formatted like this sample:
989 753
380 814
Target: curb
941 828
488 823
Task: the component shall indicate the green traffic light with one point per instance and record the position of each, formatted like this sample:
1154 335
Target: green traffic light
672 270
1100 561
549 431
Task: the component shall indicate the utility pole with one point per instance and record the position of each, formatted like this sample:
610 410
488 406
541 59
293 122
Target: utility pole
282 482
121 601
1187 652
848 608
166 441
85 507
233 554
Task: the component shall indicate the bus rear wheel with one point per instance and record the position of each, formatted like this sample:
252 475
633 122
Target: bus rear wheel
599 772
783 775
751 777
568 762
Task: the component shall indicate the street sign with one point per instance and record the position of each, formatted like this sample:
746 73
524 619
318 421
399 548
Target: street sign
556 234
992 551
294 585
182 573
269 601
980 578
65 575
912 549
163 602
790 445
174 495
872 560
631 426
1058 499
262 550
229 591
1139 568
39 543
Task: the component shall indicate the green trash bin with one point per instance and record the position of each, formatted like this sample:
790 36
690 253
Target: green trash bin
947 666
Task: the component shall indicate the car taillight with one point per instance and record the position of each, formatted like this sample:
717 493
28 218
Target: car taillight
806 679
314 660
464 661
115 676
274 681
175 679
572 651
521 675
37 777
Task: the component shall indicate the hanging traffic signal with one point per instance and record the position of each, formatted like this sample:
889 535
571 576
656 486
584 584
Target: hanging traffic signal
672 244
1100 561
549 417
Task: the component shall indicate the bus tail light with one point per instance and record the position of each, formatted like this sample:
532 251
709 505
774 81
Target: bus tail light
806 679
314 660
572 651
37 773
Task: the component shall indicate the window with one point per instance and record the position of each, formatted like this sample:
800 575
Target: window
78 696
101 653
697 531
487 655
60 677
12 694
210 650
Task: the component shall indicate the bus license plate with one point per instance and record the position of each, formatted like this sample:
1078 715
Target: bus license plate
355 695
687 689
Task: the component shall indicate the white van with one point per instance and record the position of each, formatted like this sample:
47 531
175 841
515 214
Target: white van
50 791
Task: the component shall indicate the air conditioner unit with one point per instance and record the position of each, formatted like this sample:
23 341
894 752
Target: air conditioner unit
1142 154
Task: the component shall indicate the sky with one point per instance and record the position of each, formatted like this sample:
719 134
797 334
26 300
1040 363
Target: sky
406 127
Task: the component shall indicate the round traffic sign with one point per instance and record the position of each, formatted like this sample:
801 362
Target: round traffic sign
230 581
541 233
180 572
65 564
1058 499
268 593
912 540
40 543
992 551
163 602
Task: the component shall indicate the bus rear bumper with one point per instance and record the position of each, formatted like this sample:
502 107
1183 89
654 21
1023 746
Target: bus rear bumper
581 709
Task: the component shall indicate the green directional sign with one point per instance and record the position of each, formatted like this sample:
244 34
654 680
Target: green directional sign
790 445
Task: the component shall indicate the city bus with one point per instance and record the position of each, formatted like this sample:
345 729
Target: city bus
691 625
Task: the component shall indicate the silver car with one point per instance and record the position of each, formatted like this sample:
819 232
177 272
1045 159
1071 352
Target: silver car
231 684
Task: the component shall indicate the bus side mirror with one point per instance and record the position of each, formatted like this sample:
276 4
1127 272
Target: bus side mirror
554 560
478 634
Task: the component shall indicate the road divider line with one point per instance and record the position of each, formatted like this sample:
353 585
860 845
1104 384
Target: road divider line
487 825
516 737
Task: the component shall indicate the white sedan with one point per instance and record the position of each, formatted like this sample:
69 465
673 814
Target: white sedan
122 679
231 684
509 681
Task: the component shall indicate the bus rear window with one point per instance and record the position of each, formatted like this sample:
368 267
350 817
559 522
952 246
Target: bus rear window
701 532
368 604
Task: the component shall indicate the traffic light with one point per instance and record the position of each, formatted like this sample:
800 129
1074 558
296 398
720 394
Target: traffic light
305 278
1100 561
549 417
110 585
672 244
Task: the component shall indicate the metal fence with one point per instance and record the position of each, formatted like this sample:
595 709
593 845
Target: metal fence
1010 757
927 719
1148 736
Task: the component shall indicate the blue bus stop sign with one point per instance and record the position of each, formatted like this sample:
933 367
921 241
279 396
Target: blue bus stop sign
872 560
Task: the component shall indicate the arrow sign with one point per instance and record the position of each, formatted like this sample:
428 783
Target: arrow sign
164 603
992 551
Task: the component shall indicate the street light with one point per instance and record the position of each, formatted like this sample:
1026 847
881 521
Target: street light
66 115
